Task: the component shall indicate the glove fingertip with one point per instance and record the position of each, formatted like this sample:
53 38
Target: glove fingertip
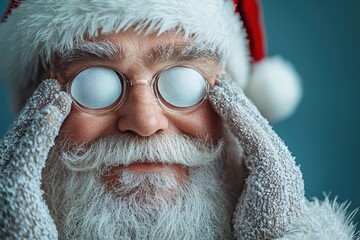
47 123
52 83
62 101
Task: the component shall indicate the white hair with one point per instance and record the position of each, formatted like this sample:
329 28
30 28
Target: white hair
126 149
142 205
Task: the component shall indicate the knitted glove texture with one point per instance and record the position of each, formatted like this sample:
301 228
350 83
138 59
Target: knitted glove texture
23 152
274 192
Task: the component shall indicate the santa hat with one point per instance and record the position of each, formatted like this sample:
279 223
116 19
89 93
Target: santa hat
33 30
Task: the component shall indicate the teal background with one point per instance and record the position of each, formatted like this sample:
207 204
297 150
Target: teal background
322 39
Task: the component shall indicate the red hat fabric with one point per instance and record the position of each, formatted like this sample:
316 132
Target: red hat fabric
250 12
13 4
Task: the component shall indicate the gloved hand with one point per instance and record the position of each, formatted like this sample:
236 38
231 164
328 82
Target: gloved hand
273 195
23 152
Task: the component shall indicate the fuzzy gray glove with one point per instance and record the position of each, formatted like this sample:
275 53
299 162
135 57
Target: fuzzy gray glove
23 152
273 195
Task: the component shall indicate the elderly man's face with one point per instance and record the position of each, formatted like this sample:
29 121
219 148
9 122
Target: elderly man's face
139 58
139 169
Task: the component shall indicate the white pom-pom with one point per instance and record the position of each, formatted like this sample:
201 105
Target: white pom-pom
274 87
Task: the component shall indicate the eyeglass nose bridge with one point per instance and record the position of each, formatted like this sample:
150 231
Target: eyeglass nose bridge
143 82
139 82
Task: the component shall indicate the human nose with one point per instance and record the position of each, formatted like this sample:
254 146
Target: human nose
140 112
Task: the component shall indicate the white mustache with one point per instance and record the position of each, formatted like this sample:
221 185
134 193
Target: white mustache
127 148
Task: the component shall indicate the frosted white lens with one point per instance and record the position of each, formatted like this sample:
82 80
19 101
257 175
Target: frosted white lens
181 86
96 88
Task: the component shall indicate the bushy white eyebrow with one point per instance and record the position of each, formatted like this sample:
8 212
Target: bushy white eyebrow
179 53
91 50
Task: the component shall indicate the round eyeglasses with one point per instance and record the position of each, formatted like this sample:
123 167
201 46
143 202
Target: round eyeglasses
100 90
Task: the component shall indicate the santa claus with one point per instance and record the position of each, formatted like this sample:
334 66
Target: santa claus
136 125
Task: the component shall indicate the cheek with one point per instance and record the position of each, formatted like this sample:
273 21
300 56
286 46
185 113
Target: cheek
204 123
80 127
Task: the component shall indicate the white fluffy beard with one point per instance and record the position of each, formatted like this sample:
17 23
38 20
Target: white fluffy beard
142 205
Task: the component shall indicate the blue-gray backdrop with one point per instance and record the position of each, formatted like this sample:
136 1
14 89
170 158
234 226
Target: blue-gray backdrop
322 39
